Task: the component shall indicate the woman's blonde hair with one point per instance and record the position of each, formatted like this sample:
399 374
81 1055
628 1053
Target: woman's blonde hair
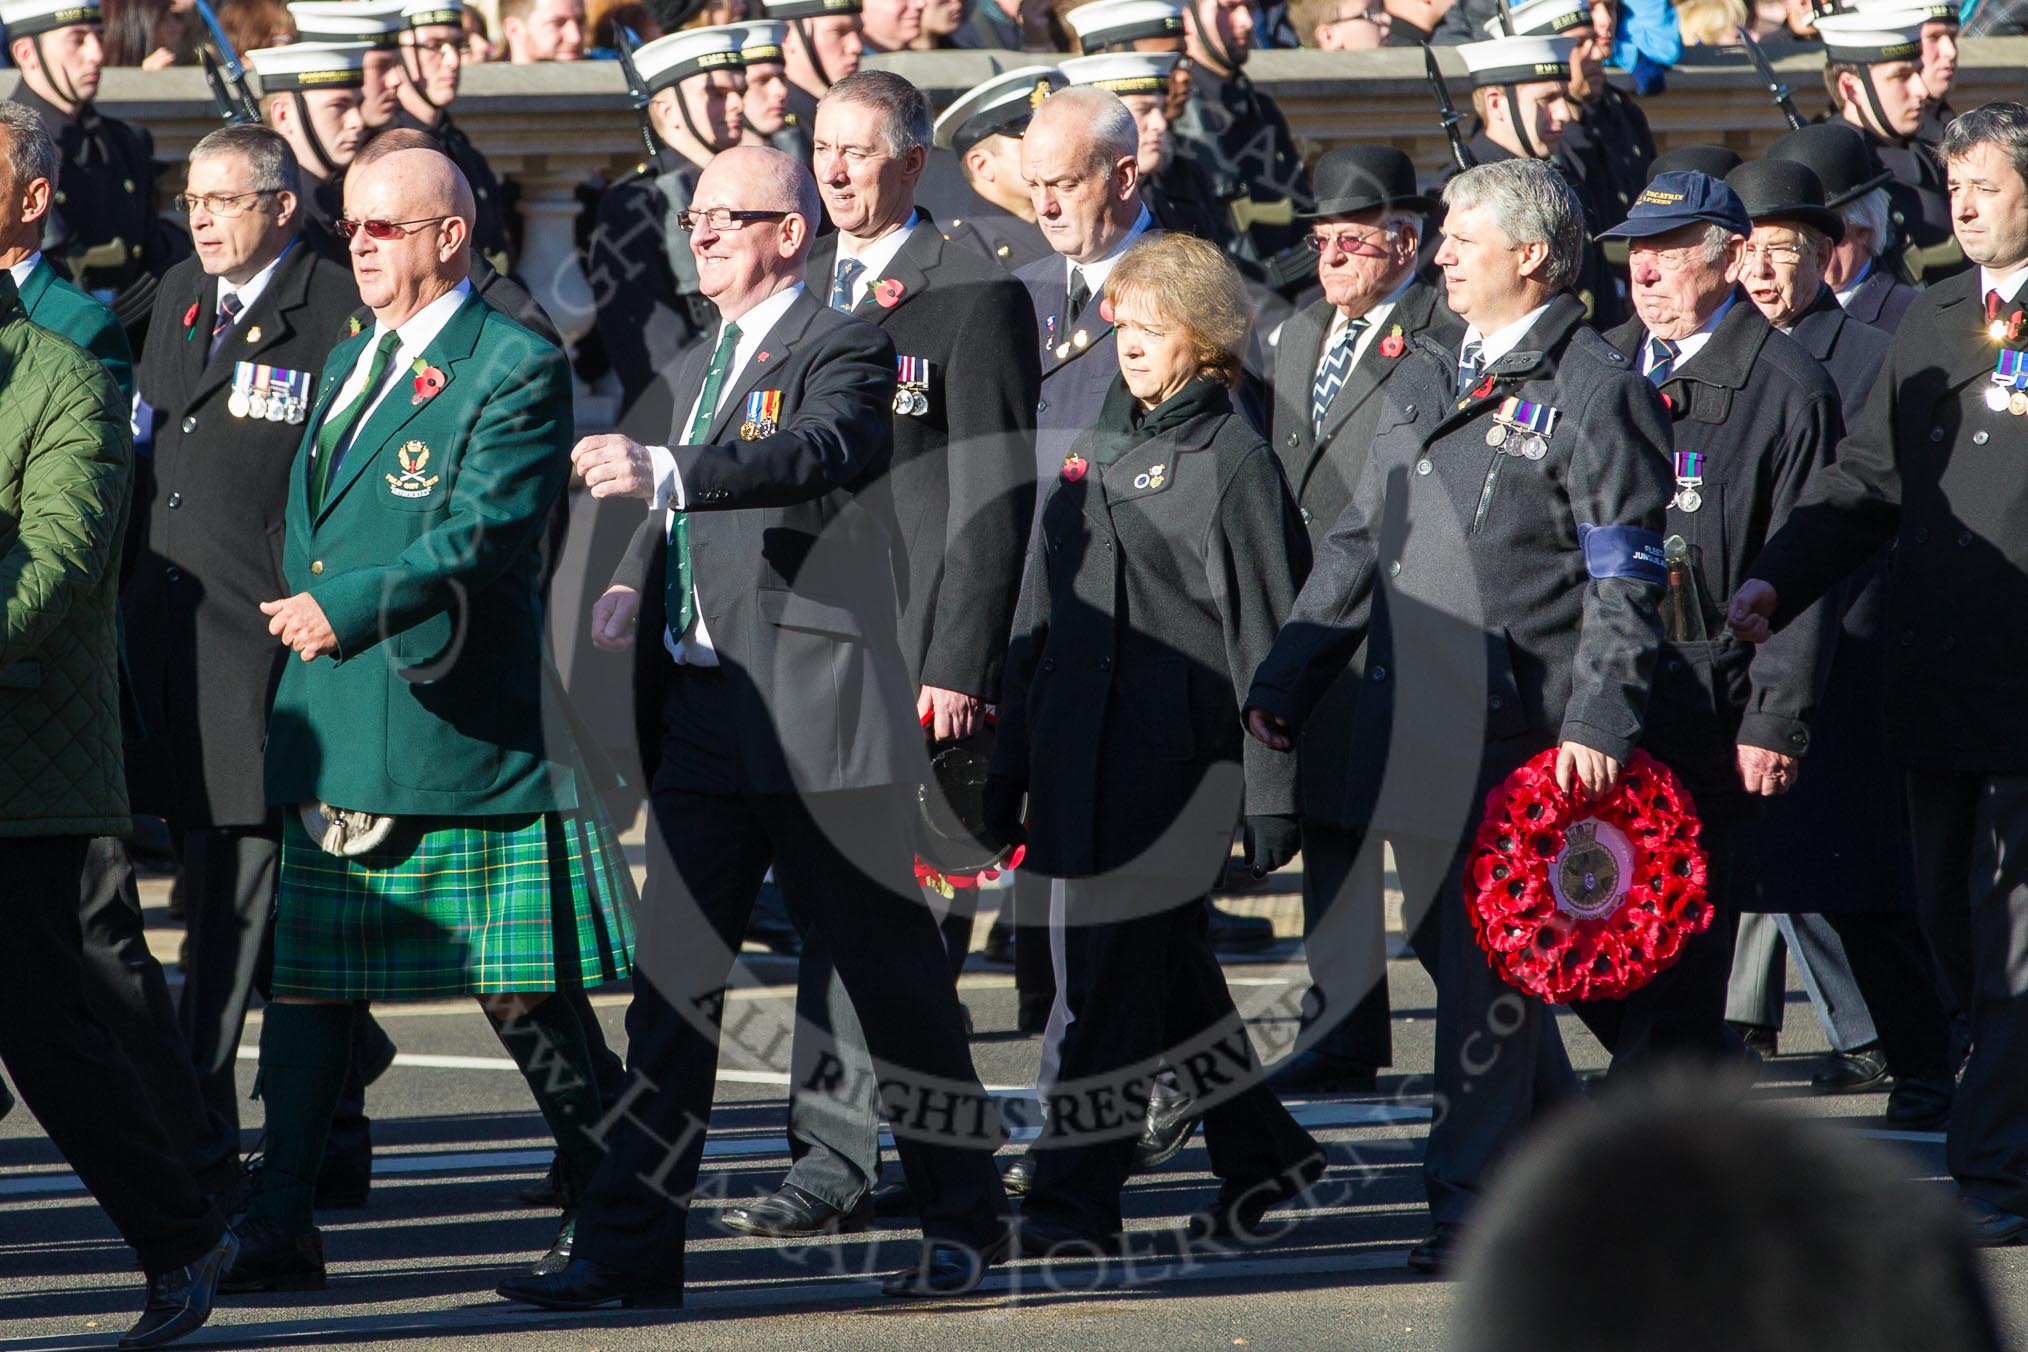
1180 280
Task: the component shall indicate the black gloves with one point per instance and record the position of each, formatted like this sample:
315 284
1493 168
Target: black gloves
1270 843
1001 801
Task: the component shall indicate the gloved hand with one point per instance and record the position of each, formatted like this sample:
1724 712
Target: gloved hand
1271 842
1001 803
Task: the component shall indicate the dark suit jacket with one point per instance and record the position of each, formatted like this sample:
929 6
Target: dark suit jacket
793 547
1765 418
1930 468
1322 471
1882 299
204 664
1849 350
963 478
1154 590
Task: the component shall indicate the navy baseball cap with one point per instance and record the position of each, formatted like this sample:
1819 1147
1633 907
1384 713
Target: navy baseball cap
1674 200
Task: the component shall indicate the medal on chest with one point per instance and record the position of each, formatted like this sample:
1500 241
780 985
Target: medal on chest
1689 481
1522 429
911 394
2008 389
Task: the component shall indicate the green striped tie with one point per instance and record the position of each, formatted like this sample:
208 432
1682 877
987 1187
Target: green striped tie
679 602
338 426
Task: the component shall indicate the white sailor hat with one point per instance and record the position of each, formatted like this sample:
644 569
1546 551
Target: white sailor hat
429 13
1523 60
1122 72
26 18
1930 11
806 9
999 107
1872 38
1116 25
668 61
370 21
310 65
760 40
1540 17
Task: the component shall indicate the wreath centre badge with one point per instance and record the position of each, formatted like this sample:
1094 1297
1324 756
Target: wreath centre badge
414 458
1591 875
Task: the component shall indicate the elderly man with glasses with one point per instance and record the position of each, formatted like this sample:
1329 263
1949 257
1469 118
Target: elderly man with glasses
1333 361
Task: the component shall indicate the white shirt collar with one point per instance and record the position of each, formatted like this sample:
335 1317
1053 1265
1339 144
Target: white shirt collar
2009 286
1096 272
19 272
1374 317
755 325
875 258
1851 288
420 329
1686 348
1495 345
251 290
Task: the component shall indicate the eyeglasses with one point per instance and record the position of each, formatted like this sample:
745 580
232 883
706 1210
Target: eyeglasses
1351 242
724 218
347 227
445 47
226 205
1777 255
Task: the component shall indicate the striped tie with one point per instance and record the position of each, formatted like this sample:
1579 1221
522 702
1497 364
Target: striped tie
1337 364
228 315
1661 360
1469 361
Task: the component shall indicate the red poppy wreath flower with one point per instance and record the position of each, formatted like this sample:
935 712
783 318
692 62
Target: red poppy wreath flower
1074 466
887 293
1483 388
428 380
1394 344
190 317
1585 900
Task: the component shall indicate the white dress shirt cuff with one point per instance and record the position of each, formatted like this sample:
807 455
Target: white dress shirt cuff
668 481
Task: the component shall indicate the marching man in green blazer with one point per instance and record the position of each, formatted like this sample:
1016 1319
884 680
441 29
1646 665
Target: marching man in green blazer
439 834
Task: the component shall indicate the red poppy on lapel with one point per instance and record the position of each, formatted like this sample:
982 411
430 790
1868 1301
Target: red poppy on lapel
760 356
353 326
428 380
1483 388
1074 466
1394 344
190 322
887 292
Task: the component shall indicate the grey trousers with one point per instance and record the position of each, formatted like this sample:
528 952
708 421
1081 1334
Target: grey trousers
1759 984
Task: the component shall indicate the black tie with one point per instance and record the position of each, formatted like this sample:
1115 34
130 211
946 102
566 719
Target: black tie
1080 295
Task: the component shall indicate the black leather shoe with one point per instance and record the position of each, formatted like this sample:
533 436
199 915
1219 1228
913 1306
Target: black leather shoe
558 1257
1994 1227
343 1182
1315 1072
1172 1120
269 1260
1019 1176
1234 1216
584 1285
791 1213
1919 1103
1852 1072
179 1301
1031 1010
1759 1038
1438 1250
1040 1237
999 946
892 1201
947 1269
1240 933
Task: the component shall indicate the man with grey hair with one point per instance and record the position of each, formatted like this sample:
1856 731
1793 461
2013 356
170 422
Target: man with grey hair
964 417
1755 417
776 729
1937 465
1531 573
1854 187
236 345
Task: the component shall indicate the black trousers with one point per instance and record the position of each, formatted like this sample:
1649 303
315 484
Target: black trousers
229 897
1681 1013
71 1072
1142 991
712 844
1345 1014
1970 836
126 990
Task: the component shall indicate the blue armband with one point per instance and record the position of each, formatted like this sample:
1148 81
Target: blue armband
1623 551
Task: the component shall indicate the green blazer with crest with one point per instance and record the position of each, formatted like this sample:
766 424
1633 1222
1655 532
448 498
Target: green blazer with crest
425 559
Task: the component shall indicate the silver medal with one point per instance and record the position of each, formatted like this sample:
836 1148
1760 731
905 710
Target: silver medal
257 405
1534 447
1496 434
901 402
1996 398
236 405
921 403
277 409
295 411
1689 499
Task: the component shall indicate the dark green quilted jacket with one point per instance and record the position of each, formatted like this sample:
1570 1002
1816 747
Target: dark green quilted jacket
65 469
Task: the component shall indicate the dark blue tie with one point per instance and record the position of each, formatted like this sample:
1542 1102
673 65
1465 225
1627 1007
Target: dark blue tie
1331 374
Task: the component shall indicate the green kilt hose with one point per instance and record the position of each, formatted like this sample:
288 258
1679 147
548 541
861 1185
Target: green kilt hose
456 906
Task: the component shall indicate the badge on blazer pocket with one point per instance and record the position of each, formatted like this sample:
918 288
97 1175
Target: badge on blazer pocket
414 481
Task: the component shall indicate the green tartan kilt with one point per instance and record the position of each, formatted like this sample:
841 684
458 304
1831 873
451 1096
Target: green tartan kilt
456 906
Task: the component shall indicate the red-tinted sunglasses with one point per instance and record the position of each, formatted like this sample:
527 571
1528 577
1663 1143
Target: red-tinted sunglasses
347 227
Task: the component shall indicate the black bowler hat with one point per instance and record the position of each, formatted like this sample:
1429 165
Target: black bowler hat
1837 154
1783 190
1352 179
1717 161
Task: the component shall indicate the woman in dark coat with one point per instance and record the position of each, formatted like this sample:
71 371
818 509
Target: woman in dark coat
1169 552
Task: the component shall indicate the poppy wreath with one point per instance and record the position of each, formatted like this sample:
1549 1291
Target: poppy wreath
946 885
1576 900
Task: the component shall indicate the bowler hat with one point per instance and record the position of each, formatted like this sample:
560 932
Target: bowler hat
1783 190
1838 155
1352 179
